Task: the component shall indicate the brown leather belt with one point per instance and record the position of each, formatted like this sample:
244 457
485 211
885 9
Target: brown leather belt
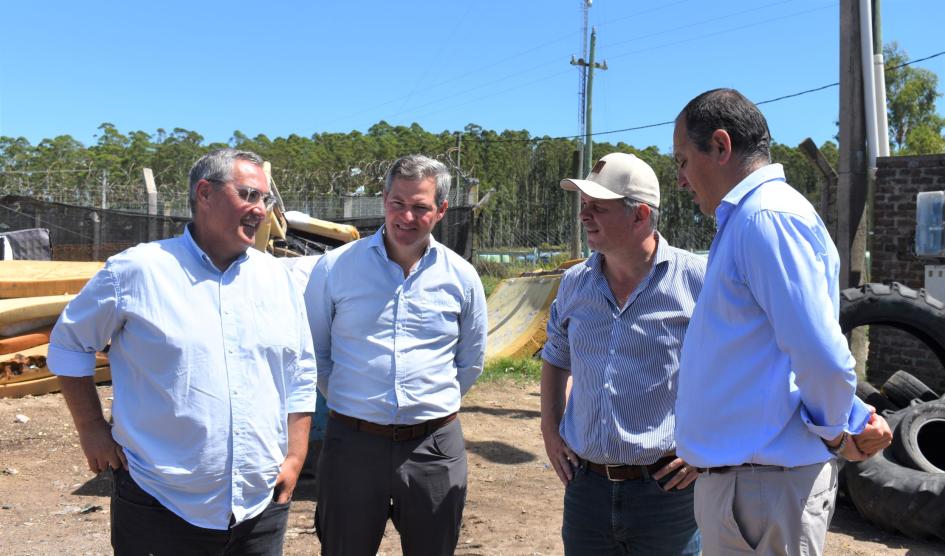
398 433
628 472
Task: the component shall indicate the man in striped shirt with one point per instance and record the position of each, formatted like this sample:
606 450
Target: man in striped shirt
616 328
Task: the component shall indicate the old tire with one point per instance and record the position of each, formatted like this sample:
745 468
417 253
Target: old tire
872 396
902 388
919 440
897 306
895 497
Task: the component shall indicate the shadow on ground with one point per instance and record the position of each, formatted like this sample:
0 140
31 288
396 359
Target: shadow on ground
503 412
99 485
499 452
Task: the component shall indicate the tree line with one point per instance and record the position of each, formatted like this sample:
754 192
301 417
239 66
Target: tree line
525 207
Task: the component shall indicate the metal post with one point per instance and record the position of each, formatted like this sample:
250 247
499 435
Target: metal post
150 189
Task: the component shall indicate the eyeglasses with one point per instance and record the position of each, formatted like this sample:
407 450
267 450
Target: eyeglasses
252 195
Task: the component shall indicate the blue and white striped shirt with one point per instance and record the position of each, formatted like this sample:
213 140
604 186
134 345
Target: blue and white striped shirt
623 360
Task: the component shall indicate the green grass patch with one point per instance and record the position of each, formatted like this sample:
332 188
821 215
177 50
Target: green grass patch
518 369
489 283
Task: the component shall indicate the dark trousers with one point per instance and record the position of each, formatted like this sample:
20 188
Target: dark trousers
364 479
603 517
142 525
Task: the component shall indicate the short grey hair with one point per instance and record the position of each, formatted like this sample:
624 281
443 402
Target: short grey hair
217 167
632 205
416 167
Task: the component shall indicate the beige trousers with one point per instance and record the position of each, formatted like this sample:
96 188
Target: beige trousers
766 509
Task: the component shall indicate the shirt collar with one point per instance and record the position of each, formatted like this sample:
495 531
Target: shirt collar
746 187
752 181
199 253
377 242
660 258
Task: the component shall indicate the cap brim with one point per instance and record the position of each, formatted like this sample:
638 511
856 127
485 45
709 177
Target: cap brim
589 188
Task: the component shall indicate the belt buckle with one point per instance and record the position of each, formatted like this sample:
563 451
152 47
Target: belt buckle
398 429
608 468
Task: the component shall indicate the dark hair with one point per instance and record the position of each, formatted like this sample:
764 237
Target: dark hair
729 110
416 167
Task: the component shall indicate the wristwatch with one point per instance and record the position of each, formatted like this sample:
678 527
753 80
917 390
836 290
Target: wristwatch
836 451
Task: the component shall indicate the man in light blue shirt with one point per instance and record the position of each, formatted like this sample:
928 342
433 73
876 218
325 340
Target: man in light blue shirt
399 324
616 327
213 370
766 382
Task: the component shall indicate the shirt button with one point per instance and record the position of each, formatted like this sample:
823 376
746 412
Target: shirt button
611 352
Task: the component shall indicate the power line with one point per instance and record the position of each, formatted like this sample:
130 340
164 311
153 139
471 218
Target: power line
413 109
647 126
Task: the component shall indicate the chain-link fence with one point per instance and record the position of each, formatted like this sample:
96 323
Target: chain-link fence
88 233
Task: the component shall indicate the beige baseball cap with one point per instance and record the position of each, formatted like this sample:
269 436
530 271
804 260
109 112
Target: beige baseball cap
619 175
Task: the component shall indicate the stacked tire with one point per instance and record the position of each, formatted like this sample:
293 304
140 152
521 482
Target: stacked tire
903 488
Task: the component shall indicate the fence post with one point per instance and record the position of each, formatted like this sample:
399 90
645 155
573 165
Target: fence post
96 235
151 190
104 190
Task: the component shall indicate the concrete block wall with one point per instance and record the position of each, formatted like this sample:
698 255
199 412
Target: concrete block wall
892 252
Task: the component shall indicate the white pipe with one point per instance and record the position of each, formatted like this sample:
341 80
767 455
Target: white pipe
869 101
882 122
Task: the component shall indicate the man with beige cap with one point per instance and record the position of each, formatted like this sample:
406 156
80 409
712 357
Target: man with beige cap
616 327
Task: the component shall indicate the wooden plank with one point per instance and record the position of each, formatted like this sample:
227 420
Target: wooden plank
40 278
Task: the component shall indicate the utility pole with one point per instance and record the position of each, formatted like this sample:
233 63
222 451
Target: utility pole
851 166
578 165
590 66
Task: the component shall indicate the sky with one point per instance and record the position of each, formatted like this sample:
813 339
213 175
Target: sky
281 68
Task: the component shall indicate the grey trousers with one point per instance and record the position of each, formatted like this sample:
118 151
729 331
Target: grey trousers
766 509
364 479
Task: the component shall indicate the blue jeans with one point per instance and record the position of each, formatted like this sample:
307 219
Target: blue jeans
627 517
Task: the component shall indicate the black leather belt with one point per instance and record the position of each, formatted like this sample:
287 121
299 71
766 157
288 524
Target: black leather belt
628 472
730 468
398 433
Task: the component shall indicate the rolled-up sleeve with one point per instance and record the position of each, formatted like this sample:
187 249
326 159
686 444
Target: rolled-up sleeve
85 326
473 328
798 304
557 350
320 309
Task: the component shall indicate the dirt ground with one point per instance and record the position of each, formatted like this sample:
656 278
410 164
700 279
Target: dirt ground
50 503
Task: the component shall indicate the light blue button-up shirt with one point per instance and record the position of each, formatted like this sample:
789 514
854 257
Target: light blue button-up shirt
395 350
766 373
623 360
206 366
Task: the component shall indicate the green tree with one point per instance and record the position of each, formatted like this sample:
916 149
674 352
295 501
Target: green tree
914 126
